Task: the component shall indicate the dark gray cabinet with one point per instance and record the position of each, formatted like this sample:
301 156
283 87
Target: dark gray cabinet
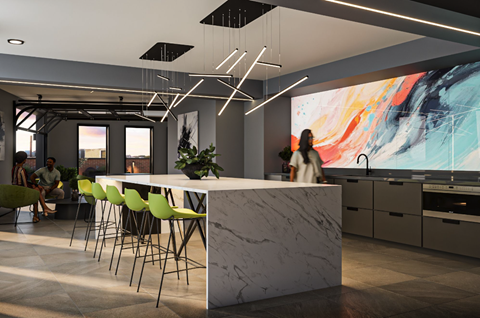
398 227
401 197
356 193
357 221
459 237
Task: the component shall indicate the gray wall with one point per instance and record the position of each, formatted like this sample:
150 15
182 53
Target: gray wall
62 143
206 127
230 139
6 106
277 127
254 142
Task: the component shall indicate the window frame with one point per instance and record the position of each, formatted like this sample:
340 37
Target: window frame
107 159
125 147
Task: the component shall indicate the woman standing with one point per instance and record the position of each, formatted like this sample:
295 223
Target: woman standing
306 164
19 178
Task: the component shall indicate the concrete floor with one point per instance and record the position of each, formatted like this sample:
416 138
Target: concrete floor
41 276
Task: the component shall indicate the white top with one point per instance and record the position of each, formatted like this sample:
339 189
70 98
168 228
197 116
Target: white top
307 172
181 182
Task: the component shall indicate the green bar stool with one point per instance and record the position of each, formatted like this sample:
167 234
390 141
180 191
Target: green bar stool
135 204
100 195
118 200
85 189
161 210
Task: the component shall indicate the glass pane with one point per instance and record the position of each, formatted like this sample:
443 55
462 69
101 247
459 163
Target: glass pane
92 150
25 141
137 150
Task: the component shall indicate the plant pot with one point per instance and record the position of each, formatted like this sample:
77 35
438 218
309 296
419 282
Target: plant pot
74 195
189 170
285 167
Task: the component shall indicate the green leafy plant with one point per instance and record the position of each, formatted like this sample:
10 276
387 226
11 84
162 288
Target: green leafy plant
66 174
286 153
204 158
73 183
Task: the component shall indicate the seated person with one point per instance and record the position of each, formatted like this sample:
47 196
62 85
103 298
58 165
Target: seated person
49 179
19 178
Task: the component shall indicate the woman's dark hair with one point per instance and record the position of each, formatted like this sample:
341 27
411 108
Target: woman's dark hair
305 145
20 156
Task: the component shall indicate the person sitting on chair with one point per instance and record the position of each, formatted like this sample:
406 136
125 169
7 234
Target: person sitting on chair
19 178
49 179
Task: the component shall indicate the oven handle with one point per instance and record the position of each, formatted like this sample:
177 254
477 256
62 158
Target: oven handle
451 192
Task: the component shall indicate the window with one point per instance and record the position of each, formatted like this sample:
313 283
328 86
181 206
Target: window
138 149
92 150
26 141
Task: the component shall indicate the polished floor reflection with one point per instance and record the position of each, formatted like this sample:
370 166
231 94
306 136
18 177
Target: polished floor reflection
40 276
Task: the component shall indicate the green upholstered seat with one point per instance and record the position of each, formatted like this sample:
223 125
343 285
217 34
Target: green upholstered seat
134 202
114 196
160 208
14 197
85 187
98 192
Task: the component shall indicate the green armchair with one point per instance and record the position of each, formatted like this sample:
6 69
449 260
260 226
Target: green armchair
14 197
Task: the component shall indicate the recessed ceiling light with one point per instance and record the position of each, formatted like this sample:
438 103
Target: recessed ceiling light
16 41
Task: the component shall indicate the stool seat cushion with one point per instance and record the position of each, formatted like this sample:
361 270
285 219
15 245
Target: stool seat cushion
12 196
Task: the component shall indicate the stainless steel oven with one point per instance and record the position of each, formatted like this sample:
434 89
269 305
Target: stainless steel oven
451 202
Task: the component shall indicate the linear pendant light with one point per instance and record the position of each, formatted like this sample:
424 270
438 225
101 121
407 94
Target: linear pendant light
168 108
163 77
243 79
269 64
226 59
175 88
233 87
146 118
403 17
211 75
236 62
278 94
151 101
191 90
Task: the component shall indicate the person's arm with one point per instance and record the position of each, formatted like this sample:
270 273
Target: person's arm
55 185
33 177
23 177
292 173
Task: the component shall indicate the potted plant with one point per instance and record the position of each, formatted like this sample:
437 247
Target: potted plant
73 183
286 155
197 165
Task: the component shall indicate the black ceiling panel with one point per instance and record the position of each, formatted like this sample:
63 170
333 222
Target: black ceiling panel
237 13
468 7
166 52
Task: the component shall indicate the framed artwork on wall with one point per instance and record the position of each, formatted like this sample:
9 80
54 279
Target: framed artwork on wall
187 130
2 137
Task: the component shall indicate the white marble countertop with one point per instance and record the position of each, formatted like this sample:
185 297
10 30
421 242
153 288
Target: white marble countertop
181 182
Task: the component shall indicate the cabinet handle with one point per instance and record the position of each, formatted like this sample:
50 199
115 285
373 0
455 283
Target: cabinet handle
396 183
451 221
352 180
352 209
400 215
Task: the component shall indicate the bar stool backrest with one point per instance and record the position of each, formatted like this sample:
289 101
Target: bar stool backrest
160 208
98 192
85 187
134 201
114 196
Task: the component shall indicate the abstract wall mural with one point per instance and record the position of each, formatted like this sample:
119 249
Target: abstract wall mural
424 121
187 130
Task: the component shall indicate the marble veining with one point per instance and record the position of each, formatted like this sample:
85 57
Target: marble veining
266 243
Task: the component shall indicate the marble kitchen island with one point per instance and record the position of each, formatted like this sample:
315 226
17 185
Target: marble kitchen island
264 238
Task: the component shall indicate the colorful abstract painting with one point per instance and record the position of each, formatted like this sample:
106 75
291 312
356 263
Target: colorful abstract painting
425 121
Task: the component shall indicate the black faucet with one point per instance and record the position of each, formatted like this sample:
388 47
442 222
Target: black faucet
366 158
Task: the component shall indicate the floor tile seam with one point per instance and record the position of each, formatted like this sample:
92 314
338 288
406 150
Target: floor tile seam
76 306
406 312
441 283
444 302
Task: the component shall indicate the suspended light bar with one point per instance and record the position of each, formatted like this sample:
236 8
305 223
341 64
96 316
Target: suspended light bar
236 62
41 128
233 87
278 94
403 17
146 118
211 75
175 88
226 59
151 101
168 108
191 90
163 77
242 80
269 64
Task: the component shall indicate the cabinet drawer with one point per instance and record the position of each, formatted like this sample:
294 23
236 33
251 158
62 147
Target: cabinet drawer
398 197
356 193
451 236
398 227
357 221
